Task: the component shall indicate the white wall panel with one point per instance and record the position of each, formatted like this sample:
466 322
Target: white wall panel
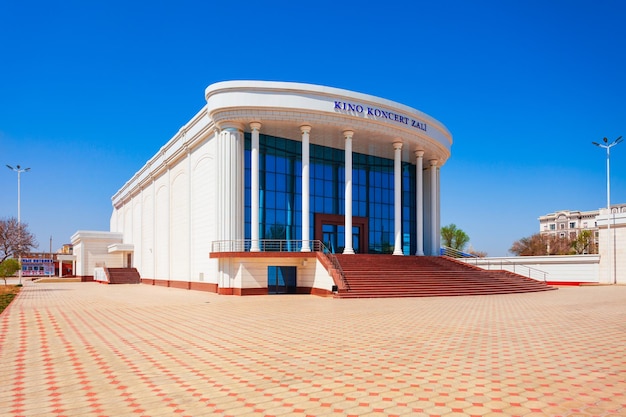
161 252
202 214
127 225
179 231
137 214
146 266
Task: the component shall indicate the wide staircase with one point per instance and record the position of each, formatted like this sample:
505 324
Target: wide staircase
123 276
378 276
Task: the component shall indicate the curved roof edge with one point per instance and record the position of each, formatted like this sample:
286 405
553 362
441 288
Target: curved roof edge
318 89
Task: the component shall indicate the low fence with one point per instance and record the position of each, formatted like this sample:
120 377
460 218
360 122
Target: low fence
565 269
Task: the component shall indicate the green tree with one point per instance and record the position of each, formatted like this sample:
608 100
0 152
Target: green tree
453 237
8 268
15 239
583 243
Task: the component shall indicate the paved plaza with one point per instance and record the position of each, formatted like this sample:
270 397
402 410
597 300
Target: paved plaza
86 349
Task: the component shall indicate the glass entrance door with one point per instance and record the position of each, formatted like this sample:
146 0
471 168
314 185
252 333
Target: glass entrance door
330 229
333 236
330 237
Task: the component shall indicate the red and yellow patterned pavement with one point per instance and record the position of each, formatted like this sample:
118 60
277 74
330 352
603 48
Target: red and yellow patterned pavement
72 349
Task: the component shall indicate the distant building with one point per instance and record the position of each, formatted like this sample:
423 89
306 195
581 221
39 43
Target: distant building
569 223
36 266
66 249
46 264
566 223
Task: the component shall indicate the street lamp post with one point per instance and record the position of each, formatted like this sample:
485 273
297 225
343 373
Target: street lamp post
606 145
19 171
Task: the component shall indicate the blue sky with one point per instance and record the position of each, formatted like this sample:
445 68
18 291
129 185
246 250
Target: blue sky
89 91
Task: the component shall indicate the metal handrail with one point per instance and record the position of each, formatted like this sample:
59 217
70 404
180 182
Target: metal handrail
335 263
280 245
265 245
455 253
529 271
500 264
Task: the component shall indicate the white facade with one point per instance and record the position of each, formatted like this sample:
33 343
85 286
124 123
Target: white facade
93 249
612 247
192 192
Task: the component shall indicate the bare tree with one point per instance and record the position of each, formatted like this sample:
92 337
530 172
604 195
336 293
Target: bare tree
478 253
538 244
530 246
15 239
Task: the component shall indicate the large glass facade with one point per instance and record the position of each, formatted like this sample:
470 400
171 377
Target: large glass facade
280 183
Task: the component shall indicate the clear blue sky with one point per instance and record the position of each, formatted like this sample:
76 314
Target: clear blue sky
89 91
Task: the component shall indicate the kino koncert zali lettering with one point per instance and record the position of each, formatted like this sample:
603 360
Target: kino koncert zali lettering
379 113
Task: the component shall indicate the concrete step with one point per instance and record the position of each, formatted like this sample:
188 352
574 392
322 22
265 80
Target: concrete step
375 276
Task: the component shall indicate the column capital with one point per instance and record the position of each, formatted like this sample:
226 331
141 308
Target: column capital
397 145
419 153
305 129
255 126
226 125
348 134
433 162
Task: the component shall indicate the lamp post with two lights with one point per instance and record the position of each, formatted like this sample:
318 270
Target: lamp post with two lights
606 145
19 171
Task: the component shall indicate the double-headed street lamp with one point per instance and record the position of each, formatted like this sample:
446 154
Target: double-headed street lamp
606 145
19 171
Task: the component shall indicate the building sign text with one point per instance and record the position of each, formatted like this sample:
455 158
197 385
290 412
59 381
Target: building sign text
374 112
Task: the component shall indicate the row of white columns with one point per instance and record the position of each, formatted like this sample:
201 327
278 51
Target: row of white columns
348 247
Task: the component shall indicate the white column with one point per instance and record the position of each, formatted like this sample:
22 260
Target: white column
230 184
419 192
397 200
168 230
306 198
154 227
190 224
434 229
254 198
348 249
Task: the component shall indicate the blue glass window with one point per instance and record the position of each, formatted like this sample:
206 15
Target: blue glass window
373 195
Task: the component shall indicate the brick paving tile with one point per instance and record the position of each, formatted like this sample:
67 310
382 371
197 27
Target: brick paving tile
84 349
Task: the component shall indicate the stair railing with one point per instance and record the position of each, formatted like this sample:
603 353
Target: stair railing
330 256
500 264
506 265
455 253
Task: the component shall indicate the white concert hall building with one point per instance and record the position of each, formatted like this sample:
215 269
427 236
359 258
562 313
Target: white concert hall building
269 179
